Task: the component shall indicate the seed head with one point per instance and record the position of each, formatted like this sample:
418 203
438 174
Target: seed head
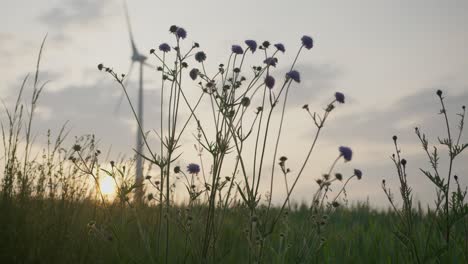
358 173
403 162
194 73
245 101
76 147
339 176
173 29
200 56
269 81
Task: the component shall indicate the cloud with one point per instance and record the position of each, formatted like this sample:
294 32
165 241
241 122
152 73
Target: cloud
72 14
419 109
91 109
316 80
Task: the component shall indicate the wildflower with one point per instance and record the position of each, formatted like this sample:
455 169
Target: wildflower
196 45
176 169
340 97
193 168
294 75
280 47
266 44
346 153
164 47
173 29
251 44
152 51
283 158
181 33
150 197
236 49
307 42
269 81
439 93
200 56
403 162
194 73
148 177
335 204
358 173
395 137
271 61
100 67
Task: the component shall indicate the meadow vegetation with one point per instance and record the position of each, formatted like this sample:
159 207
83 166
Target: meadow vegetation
53 208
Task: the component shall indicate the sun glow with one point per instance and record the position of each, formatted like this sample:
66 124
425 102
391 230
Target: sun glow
107 185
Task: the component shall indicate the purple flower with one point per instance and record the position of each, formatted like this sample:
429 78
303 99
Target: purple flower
346 152
294 75
358 173
270 81
280 47
236 49
200 56
251 44
181 33
271 61
193 168
339 97
307 42
164 47
193 74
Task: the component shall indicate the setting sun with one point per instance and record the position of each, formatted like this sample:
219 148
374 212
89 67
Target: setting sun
107 185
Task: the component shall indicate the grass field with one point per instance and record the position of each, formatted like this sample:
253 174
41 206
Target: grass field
60 231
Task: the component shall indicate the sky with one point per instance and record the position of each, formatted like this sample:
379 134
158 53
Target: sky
387 57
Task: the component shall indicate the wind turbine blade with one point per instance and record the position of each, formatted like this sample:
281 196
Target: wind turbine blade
127 76
130 32
148 65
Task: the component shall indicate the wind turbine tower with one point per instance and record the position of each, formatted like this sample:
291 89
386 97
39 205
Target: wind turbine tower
140 59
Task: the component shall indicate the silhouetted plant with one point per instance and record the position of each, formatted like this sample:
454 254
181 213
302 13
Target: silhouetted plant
450 207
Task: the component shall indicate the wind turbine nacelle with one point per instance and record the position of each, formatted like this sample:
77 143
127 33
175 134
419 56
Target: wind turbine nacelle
139 58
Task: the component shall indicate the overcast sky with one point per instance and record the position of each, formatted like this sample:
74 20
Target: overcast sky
388 57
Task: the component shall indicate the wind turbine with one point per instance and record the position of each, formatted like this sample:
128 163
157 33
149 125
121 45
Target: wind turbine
139 58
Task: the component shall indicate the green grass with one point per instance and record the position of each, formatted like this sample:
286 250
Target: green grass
57 231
